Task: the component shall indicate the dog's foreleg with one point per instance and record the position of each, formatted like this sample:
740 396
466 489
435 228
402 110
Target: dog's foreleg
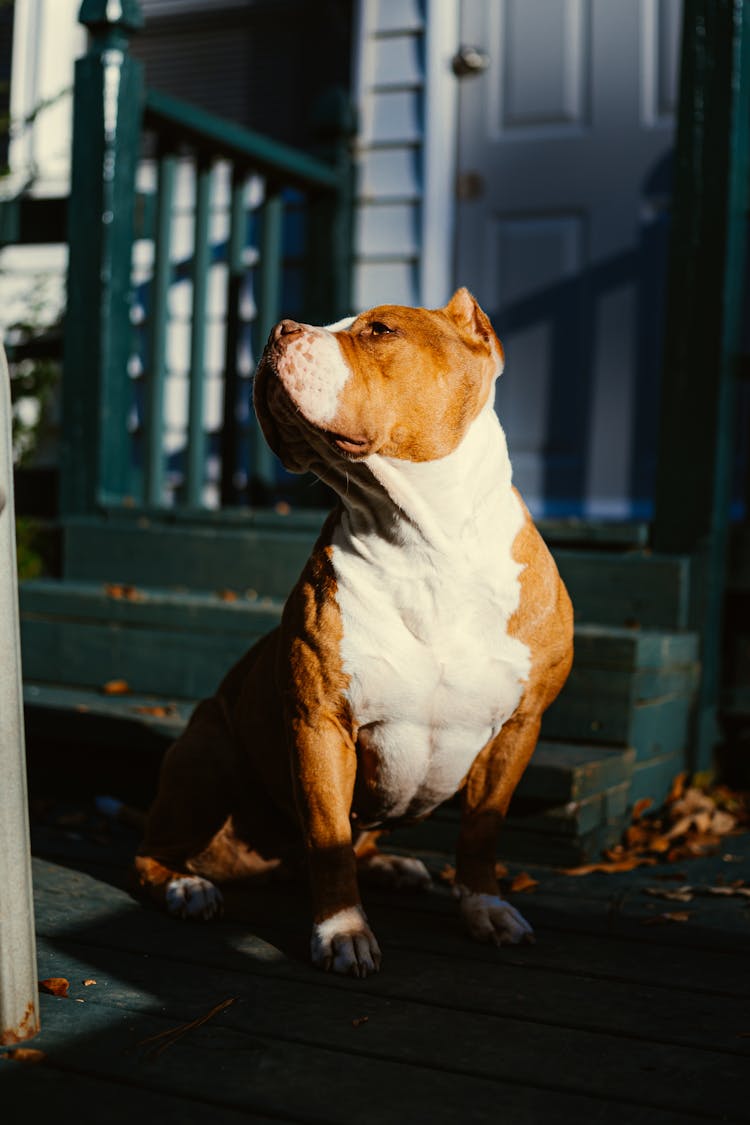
486 796
341 940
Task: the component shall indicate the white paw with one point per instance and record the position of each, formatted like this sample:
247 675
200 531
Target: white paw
193 897
345 943
400 871
491 918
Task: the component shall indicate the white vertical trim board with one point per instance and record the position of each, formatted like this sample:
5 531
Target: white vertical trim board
437 269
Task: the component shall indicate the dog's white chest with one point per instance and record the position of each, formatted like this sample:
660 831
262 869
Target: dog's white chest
433 673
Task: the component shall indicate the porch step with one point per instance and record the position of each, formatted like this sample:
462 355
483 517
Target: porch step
558 835
177 643
572 800
629 687
621 583
617 732
559 773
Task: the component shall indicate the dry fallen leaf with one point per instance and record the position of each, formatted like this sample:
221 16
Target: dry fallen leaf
677 789
54 986
727 892
679 894
359 1021
227 595
722 822
501 870
612 866
88 982
116 687
640 807
660 919
158 710
692 801
448 874
121 592
522 882
25 1055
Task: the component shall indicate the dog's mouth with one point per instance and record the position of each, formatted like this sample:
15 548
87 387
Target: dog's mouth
352 447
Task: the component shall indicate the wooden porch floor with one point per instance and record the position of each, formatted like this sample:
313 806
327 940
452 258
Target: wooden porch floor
613 1016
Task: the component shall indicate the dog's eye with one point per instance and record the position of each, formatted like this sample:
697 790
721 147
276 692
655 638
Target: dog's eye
377 328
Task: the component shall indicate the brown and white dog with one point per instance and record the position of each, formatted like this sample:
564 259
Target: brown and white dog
424 639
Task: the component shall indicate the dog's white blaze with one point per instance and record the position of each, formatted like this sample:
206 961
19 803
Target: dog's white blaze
313 372
433 673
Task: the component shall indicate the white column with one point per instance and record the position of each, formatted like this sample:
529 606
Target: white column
19 1018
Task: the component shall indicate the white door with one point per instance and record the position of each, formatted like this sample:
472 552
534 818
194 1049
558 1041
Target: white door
564 180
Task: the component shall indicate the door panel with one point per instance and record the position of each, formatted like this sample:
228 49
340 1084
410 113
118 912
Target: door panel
564 142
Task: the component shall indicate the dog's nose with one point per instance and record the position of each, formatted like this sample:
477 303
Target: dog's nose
287 328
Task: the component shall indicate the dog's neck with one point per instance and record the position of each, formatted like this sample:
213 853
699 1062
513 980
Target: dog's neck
440 505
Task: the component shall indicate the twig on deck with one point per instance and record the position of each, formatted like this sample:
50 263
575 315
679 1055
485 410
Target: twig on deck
172 1034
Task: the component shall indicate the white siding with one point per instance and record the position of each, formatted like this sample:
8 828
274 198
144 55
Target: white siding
407 98
390 96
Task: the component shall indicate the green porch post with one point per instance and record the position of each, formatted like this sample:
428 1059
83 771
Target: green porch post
107 109
705 292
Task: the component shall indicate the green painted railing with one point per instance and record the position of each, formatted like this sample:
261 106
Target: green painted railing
114 453
706 314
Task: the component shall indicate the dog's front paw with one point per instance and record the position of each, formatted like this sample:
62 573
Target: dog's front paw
189 896
345 943
491 918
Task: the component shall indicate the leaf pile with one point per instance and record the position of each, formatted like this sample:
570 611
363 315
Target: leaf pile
692 822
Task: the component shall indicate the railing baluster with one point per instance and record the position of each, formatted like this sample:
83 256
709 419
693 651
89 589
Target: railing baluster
268 311
154 436
235 273
195 468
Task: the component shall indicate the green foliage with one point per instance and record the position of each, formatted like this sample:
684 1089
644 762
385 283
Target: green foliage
32 379
30 548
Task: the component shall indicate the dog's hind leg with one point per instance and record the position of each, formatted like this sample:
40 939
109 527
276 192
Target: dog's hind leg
192 806
382 869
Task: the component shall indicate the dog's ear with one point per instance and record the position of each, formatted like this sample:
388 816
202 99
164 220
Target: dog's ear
466 314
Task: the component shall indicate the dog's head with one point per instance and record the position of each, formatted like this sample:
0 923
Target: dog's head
401 382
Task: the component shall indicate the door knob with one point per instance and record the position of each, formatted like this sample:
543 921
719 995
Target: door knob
468 61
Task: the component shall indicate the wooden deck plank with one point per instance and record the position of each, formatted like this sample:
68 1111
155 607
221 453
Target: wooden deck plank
38 1093
605 1019
418 954
279 935
308 1083
611 906
434 995
307 1033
